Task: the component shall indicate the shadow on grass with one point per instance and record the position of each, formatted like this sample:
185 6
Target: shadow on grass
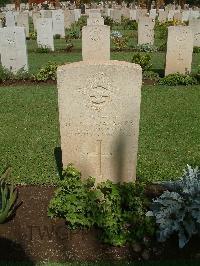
58 158
12 253
161 72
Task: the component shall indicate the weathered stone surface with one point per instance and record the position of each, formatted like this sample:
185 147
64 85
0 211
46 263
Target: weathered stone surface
69 18
35 15
23 21
95 20
195 26
99 111
13 49
58 22
133 14
171 15
45 33
146 30
153 13
77 14
179 50
162 16
46 13
116 15
10 19
96 43
178 16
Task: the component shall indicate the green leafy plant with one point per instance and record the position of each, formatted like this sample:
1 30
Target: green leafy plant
146 48
118 210
108 21
196 49
151 75
177 210
74 200
197 75
5 74
43 50
33 35
8 197
121 213
142 59
47 72
22 75
178 79
128 24
57 36
119 41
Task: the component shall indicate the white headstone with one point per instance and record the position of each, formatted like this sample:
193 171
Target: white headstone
58 22
45 33
23 21
146 31
179 50
99 132
96 43
195 26
13 48
10 19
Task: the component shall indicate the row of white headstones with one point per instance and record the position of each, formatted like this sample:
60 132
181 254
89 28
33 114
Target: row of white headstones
96 42
65 18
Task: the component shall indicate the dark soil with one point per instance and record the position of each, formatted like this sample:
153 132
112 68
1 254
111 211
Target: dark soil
25 82
31 236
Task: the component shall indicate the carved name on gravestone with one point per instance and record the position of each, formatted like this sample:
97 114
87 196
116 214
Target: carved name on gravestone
96 43
179 50
58 22
13 49
45 33
146 31
99 132
23 21
195 27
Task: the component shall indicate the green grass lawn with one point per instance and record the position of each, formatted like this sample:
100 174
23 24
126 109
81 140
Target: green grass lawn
29 131
169 132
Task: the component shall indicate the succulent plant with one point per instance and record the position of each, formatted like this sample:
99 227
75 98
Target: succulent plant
8 197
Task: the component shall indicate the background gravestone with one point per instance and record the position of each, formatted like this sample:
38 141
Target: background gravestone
96 43
195 26
13 49
45 33
179 50
23 21
58 23
146 31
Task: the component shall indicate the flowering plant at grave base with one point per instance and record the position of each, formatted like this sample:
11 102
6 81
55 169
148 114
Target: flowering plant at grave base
119 41
33 35
118 210
116 34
